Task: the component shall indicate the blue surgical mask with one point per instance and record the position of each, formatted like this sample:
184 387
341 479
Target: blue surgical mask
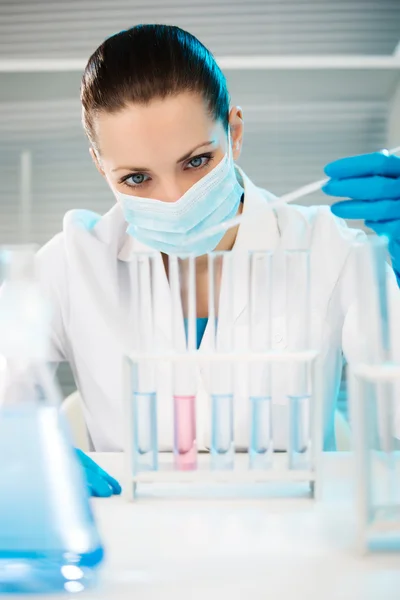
170 226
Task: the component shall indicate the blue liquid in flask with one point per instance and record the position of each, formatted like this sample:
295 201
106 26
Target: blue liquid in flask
48 538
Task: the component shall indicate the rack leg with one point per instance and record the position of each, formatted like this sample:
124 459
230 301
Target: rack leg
312 489
130 491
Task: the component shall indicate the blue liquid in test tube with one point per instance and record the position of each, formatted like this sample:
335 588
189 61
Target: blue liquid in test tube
222 429
222 400
144 397
261 431
145 431
298 299
300 431
260 402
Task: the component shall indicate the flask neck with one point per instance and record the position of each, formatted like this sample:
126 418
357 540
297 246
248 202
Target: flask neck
25 315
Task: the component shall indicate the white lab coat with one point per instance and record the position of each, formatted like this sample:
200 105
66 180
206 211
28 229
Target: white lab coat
87 272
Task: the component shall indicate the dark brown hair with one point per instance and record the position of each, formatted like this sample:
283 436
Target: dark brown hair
148 62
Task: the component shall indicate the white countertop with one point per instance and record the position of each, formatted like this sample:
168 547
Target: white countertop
251 547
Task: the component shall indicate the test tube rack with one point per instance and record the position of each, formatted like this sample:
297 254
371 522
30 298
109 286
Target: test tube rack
280 470
378 523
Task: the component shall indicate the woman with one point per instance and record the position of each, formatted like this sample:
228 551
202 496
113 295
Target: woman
163 134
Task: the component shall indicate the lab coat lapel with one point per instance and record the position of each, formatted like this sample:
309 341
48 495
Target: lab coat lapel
99 335
258 233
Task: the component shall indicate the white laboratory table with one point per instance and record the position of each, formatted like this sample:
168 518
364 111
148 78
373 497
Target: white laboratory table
208 546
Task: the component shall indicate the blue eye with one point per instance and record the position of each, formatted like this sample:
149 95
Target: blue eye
196 162
136 179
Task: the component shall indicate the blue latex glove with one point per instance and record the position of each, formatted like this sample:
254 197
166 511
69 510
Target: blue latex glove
372 181
99 482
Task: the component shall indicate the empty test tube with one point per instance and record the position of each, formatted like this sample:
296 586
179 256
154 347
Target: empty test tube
373 319
378 414
182 277
220 294
297 265
259 302
145 448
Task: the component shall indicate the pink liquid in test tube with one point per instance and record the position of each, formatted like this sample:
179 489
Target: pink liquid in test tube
185 447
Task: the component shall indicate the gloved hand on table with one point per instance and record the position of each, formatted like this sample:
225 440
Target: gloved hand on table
99 482
372 181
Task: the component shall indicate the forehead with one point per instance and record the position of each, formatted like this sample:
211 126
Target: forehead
168 127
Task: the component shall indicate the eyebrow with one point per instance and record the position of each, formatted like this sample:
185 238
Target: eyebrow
183 158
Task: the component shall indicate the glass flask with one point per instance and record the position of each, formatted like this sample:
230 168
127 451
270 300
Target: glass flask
48 538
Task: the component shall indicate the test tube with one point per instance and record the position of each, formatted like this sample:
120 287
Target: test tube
259 302
297 265
374 400
182 278
220 322
374 330
144 413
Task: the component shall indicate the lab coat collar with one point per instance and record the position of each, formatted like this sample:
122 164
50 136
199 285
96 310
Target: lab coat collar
111 230
260 233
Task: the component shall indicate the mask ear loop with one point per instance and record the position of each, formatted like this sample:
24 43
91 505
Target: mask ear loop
230 145
229 153
230 149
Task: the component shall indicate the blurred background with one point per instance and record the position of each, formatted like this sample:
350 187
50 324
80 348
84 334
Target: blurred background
317 79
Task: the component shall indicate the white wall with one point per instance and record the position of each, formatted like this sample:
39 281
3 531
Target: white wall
393 131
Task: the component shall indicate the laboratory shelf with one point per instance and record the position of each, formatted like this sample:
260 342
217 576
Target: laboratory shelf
263 77
333 62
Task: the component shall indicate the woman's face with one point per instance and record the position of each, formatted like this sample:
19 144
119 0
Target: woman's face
161 149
